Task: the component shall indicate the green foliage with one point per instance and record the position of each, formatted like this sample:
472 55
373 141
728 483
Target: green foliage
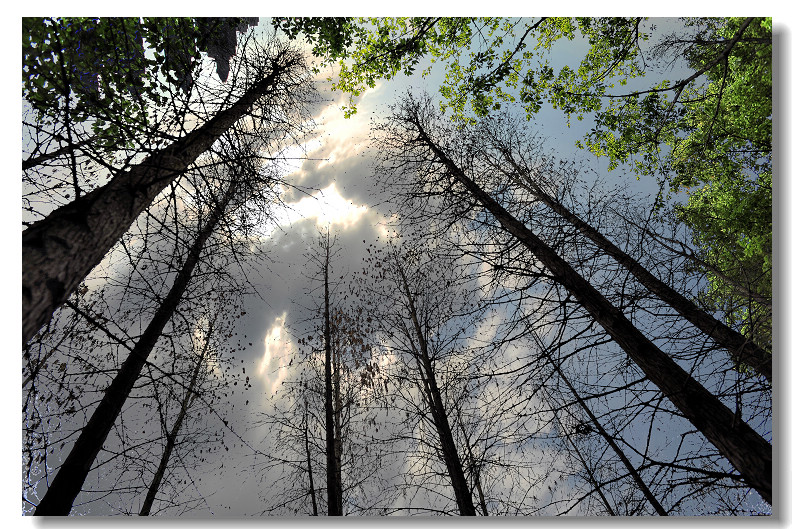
711 130
728 155
107 71
731 221
488 61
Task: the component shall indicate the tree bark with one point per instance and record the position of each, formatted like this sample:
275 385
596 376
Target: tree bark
145 510
750 454
70 478
741 349
333 474
456 473
60 250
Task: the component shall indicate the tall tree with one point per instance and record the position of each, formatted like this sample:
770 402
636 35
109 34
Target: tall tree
412 129
435 402
70 478
334 488
173 433
60 250
330 384
413 303
639 482
510 157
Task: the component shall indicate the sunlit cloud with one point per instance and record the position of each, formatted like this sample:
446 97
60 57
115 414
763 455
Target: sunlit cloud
274 363
326 206
349 137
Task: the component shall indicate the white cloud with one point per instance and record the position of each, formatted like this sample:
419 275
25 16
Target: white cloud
277 351
327 206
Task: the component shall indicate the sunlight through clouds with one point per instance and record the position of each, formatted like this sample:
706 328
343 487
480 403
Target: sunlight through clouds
277 350
326 206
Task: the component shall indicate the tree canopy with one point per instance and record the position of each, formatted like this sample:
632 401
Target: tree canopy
495 328
708 134
106 69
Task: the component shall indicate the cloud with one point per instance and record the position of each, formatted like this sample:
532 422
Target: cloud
277 351
327 206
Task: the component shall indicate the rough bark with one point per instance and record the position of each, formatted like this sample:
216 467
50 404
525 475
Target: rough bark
448 448
750 454
68 482
145 510
60 250
741 349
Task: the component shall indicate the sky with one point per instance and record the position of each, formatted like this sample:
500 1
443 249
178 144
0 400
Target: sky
340 195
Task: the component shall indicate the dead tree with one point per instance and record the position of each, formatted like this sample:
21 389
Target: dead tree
750 454
71 475
170 441
334 489
412 306
509 162
435 402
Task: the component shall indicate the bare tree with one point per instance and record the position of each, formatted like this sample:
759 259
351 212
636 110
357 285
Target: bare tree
332 451
59 251
410 136
170 442
330 388
509 154
412 302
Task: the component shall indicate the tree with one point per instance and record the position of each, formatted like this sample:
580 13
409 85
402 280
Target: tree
513 160
413 302
331 389
583 427
411 131
60 250
320 424
170 441
708 133
719 152
439 415
492 69
220 192
96 70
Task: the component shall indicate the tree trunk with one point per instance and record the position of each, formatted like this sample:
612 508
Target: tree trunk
741 349
311 488
648 494
337 411
59 251
333 475
462 493
70 478
145 510
750 454
475 467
